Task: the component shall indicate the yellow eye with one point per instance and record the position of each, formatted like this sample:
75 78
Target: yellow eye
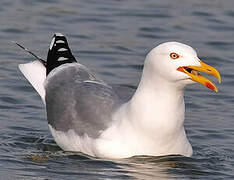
174 56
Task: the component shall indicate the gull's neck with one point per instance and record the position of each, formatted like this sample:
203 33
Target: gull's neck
157 106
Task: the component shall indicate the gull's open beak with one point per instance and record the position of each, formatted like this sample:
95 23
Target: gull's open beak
192 71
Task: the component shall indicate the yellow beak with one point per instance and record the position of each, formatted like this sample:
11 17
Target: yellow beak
192 71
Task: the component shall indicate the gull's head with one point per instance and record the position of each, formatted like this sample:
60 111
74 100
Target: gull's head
177 62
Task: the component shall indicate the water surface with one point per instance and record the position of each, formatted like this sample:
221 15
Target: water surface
112 37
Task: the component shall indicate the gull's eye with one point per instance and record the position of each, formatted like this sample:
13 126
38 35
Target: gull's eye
174 56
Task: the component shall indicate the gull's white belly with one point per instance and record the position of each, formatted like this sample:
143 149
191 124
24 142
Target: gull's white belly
115 143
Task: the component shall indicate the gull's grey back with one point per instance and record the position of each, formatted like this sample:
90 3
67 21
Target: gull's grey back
76 99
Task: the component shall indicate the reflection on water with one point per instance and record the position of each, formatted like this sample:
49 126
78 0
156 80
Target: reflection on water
112 38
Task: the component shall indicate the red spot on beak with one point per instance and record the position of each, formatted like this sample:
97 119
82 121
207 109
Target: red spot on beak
210 86
180 69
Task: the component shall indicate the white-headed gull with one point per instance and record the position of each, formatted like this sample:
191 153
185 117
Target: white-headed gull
85 114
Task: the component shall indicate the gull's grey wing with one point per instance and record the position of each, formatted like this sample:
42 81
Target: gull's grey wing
76 99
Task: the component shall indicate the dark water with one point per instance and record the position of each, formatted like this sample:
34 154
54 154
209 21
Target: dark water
113 38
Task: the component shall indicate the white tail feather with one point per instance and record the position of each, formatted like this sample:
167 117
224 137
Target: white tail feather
35 73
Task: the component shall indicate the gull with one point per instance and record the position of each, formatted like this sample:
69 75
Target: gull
85 114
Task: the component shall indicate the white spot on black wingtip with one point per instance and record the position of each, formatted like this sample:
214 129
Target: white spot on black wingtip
60 41
62 49
52 43
62 59
59 34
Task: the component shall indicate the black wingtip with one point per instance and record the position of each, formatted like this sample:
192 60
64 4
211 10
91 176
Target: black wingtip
59 53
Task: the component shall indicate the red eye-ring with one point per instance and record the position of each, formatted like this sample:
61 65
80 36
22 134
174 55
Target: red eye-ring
174 56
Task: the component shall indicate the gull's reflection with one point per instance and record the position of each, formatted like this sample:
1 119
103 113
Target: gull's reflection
164 167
